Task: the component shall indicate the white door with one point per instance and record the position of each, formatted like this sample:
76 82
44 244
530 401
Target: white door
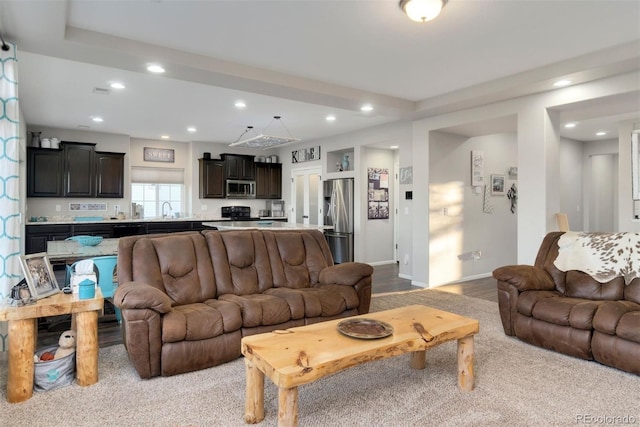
306 196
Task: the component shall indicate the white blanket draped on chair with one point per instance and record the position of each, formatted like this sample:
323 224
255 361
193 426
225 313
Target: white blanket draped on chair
603 256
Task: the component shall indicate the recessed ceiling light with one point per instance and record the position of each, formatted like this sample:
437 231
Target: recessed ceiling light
240 104
562 83
570 125
97 119
601 133
366 108
164 136
191 129
117 85
393 147
155 68
330 118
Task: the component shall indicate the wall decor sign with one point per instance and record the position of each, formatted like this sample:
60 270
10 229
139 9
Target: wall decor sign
88 207
378 193
305 154
165 155
477 168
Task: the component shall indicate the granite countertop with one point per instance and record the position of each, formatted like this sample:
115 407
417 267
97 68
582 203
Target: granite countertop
125 221
265 225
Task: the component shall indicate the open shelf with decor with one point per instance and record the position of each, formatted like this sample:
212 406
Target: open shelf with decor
340 163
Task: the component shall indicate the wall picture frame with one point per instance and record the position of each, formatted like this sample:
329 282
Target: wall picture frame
498 185
39 275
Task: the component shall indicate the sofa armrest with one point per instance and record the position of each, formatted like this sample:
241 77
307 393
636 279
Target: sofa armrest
524 277
136 295
348 273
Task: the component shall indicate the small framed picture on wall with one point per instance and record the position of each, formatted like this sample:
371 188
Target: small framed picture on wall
497 185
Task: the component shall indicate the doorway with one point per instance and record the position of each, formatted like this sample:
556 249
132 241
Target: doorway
306 196
603 196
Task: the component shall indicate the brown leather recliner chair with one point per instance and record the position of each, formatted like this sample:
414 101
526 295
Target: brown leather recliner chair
570 312
187 299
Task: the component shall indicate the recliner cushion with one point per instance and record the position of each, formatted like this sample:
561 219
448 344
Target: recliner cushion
620 318
575 312
192 322
260 309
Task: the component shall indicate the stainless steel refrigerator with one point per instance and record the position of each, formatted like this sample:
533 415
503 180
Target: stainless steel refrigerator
338 212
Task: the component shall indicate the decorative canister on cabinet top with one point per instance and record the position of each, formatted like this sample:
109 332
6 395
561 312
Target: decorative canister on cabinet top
35 139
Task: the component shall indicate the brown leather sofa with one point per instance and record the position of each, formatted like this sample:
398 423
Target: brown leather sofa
188 298
570 312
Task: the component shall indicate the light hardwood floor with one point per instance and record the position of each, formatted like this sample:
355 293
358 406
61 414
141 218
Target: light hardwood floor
385 279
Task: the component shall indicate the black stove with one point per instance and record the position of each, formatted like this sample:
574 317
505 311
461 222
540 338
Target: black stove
238 213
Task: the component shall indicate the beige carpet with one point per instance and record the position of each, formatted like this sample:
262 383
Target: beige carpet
516 385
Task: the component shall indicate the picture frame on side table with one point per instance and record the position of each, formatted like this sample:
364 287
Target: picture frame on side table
39 275
498 185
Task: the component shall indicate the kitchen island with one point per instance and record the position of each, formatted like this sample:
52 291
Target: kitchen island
264 225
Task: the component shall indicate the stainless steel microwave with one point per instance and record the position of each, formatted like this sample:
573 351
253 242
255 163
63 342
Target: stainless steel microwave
241 189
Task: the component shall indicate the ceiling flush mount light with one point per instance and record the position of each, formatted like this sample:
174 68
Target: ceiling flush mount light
601 133
191 129
117 85
422 10
562 83
330 118
366 108
570 125
155 68
263 140
97 119
164 136
240 104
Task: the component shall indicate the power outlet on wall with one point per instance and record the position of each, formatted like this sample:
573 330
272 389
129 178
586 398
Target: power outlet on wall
58 209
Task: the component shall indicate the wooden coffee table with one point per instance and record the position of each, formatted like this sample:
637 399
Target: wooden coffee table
291 358
23 335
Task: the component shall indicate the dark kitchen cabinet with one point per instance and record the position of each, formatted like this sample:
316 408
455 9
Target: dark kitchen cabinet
239 166
75 170
168 227
79 169
44 172
268 180
109 174
103 230
212 176
37 236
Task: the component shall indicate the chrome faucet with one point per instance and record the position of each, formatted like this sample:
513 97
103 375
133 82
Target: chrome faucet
163 214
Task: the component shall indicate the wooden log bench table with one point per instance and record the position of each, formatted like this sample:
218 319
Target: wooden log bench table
23 338
290 358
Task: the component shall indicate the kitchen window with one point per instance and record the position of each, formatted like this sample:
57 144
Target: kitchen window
158 188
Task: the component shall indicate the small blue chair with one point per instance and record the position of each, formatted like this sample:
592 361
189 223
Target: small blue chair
104 267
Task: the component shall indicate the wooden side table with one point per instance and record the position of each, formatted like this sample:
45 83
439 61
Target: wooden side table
23 335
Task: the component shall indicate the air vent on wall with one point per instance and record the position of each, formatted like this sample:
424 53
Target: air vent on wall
101 91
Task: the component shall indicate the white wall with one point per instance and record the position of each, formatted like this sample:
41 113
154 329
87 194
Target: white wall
571 181
538 162
458 222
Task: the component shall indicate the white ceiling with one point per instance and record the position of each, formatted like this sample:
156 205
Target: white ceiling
306 59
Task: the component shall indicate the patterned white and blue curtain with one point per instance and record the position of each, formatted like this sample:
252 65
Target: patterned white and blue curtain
10 272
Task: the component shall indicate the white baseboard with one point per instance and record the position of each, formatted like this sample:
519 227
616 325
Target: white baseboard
376 263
